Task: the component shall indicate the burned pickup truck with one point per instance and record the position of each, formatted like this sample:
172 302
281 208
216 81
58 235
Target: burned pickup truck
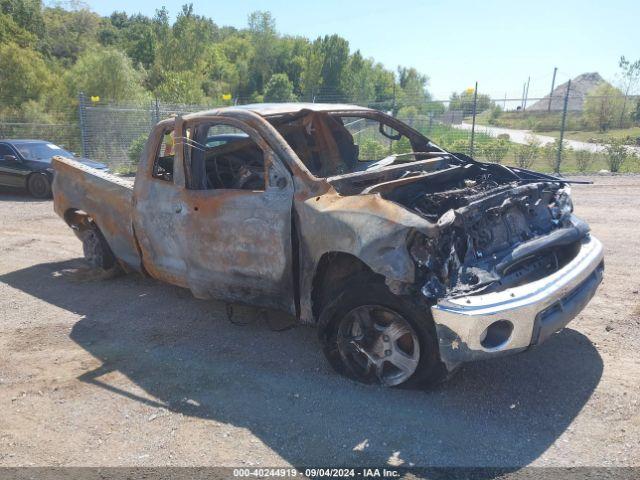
410 259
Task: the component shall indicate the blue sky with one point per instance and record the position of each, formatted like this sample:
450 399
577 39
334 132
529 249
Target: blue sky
497 43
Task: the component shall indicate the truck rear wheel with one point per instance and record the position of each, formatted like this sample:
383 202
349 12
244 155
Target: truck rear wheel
96 249
373 336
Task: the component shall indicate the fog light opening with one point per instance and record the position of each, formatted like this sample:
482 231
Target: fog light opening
496 334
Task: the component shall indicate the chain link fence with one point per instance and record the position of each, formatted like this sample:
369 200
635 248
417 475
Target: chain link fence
59 126
519 132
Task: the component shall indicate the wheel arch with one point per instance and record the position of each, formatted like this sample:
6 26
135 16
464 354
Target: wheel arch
330 273
78 219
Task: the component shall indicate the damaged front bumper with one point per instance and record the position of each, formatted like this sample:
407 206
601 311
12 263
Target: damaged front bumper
483 326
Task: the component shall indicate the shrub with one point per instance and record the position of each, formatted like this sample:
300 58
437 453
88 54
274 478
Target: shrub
584 160
617 154
495 113
495 150
136 148
526 154
550 154
460 145
402 146
408 113
372 150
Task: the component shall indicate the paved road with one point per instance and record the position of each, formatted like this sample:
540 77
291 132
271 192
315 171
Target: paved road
523 136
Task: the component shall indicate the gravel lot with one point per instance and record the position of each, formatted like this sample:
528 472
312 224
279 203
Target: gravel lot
127 371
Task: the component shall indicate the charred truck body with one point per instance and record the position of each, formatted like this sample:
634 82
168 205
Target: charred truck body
410 259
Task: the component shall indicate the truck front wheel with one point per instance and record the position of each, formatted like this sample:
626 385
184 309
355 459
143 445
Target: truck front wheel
373 336
96 249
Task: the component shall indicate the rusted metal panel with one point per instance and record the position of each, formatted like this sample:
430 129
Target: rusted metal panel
237 245
105 197
365 226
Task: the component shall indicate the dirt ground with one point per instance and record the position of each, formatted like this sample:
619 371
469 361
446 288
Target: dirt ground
127 371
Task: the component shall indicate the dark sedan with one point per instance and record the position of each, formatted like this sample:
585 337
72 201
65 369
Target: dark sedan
27 164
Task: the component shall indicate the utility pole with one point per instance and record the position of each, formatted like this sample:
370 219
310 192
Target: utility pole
526 94
473 125
504 105
553 84
524 86
562 127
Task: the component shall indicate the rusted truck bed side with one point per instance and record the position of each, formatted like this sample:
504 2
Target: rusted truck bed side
108 199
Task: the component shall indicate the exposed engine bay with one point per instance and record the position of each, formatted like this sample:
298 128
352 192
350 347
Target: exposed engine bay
497 227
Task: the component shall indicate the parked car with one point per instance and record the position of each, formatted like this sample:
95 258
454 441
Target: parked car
27 164
410 259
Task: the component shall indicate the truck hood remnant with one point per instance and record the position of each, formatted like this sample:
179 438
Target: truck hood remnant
491 229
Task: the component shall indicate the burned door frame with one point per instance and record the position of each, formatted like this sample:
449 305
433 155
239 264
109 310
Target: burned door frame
238 243
158 218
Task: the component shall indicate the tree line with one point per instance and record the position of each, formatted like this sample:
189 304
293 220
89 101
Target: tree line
50 53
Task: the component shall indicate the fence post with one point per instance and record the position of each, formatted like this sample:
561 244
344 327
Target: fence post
82 116
553 84
157 111
473 123
562 127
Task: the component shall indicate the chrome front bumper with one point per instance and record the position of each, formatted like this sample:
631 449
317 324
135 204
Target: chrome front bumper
534 310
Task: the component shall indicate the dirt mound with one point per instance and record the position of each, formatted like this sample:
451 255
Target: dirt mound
580 87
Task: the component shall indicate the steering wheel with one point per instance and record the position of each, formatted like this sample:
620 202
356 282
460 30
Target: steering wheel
232 171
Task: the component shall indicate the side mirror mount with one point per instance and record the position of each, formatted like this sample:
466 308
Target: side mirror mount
12 158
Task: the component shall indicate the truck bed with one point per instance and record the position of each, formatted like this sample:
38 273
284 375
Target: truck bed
109 198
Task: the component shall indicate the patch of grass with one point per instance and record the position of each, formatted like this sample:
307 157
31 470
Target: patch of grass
536 121
598 137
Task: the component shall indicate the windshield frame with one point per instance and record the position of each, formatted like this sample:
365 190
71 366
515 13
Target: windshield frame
413 135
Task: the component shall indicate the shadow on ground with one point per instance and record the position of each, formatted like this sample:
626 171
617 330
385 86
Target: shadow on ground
185 354
11 194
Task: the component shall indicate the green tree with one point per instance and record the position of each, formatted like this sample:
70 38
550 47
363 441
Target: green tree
359 83
107 73
636 113
24 76
10 31
408 113
413 89
311 77
181 88
69 33
279 89
334 51
603 106
27 14
630 78
464 101
262 28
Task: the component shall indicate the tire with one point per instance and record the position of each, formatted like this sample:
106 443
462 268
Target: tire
400 333
39 185
96 249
